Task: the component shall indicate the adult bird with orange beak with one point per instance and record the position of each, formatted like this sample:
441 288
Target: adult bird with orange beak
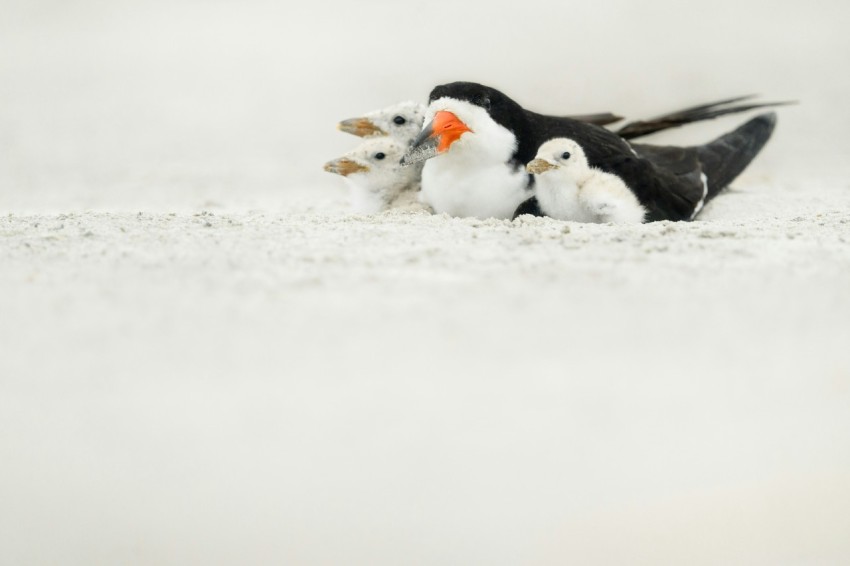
477 172
477 142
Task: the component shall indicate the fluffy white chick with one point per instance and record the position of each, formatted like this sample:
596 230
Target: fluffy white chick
375 176
567 188
402 121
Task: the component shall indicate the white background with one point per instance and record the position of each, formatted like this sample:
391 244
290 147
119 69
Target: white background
116 103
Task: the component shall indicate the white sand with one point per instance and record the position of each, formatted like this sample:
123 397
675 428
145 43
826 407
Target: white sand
204 360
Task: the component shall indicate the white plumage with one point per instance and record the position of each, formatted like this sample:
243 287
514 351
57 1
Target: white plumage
375 177
401 121
476 177
567 187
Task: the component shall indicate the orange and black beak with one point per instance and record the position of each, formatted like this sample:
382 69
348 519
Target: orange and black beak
436 138
345 167
361 127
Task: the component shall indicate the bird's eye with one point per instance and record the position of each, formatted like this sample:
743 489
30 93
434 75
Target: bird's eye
484 102
399 120
565 155
380 155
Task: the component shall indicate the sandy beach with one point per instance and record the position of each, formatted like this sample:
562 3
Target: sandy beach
205 359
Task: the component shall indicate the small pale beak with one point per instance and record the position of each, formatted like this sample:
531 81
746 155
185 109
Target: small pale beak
539 166
345 167
436 137
362 127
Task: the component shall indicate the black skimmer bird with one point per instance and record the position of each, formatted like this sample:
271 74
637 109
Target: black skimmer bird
567 188
402 121
375 176
484 140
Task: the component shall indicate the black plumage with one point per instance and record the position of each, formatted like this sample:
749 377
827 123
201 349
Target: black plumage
690 115
600 119
666 180
700 113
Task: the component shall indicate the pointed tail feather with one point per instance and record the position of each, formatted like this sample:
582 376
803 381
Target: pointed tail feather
726 157
693 114
601 119
703 107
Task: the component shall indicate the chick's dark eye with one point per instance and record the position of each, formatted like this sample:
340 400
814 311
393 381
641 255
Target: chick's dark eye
484 102
565 155
399 120
380 155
